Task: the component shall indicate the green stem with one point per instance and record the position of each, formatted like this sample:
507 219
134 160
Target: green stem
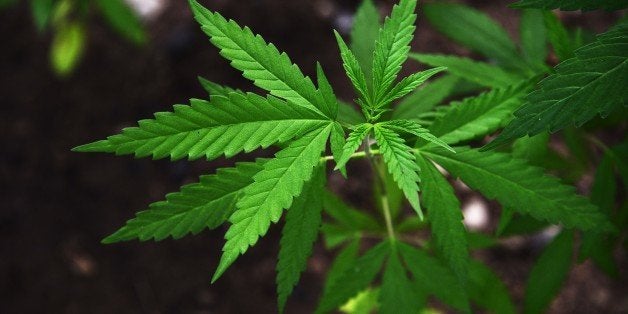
379 180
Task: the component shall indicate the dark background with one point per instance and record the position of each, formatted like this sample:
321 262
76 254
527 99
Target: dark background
57 205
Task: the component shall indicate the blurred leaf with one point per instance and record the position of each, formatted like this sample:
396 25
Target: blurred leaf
393 193
487 290
335 235
598 246
6 3
425 98
364 33
430 273
558 36
572 5
475 71
363 303
532 148
355 278
549 273
343 261
475 30
533 38
396 295
347 216
480 241
122 19
67 48
41 10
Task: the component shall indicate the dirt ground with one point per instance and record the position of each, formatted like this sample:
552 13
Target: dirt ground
58 205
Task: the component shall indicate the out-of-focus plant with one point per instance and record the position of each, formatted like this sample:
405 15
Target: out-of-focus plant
67 21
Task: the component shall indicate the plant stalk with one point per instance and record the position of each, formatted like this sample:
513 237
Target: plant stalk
379 180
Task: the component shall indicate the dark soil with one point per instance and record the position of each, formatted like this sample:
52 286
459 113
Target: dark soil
58 205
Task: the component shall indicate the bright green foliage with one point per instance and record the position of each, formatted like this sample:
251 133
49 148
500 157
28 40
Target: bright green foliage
354 72
404 144
366 25
241 122
392 47
474 71
204 205
408 84
571 96
479 115
122 19
572 5
274 188
299 233
355 278
67 48
549 273
475 30
414 128
434 277
260 62
400 163
445 216
396 294
520 186
355 139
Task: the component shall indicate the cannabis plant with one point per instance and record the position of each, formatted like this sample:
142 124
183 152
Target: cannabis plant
412 145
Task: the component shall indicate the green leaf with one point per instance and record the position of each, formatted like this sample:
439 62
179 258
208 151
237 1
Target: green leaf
355 278
549 273
343 261
67 47
533 37
120 16
355 139
7 3
593 82
475 30
474 71
260 62
241 122
572 5
363 303
346 216
425 98
366 25
400 163
348 114
207 204
326 90
487 290
480 115
558 36
353 70
408 84
414 128
445 216
214 89
396 293
522 187
274 188
392 47
429 273
337 143
299 234
41 10
595 245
